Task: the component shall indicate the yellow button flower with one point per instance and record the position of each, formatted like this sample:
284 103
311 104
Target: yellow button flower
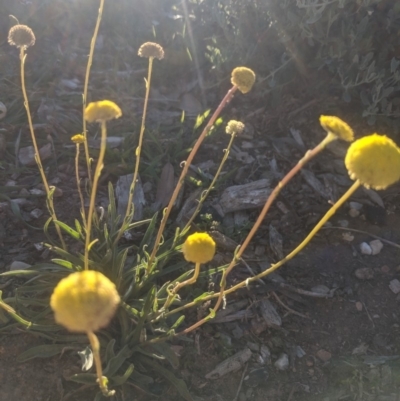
102 111
78 138
337 127
243 78
84 301
234 127
374 160
198 248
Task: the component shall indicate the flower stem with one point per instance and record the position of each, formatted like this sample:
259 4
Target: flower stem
138 151
86 84
275 266
49 193
95 344
208 190
78 183
179 286
96 177
228 97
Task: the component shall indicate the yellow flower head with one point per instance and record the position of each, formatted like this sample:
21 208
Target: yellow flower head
374 160
243 78
84 301
337 127
150 49
234 127
102 111
78 138
198 248
21 36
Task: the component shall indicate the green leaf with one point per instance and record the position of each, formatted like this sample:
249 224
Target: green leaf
84 378
116 362
63 263
42 351
165 350
149 232
135 335
120 380
179 384
74 234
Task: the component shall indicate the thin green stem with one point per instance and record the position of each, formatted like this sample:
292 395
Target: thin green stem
78 183
179 286
138 151
96 177
228 97
207 191
86 85
275 266
49 192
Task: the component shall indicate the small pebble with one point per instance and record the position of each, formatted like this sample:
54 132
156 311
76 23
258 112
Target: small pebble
17 265
364 273
320 289
324 355
365 248
355 205
385 269
376 246
348 237
282 363
58 192
36 213
343 223
395 286
354 213
359 306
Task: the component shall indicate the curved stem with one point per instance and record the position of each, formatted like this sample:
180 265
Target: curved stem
207 191
96 177
38 160
138 151
179 286
78 183
274 194
290 256
86 84
228 97
95 344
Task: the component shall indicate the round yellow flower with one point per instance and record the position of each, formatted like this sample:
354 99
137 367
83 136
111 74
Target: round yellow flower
102 111
243 78
150 49
198 248
21 36
78 138
84 301
234 127
374 160
337 127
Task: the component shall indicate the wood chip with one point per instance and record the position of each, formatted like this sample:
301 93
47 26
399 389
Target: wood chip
269 313
122 193
231 364
165 187
247 196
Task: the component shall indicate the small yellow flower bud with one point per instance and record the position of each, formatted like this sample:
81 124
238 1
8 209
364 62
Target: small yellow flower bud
21 36
102 111
243 78
374 160
150 49
234 127
198 248
78 138
337 127
84 301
